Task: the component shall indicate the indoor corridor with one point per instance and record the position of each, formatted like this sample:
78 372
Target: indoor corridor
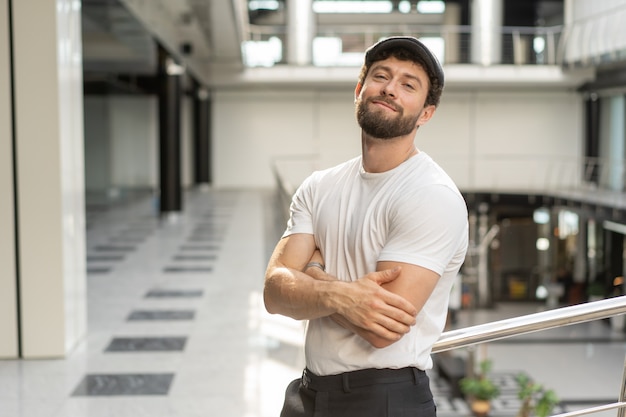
177 327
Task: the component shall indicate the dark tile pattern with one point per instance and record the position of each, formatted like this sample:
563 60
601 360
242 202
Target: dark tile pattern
105 258
204 238
199 247
174 293
183 269
146 344
124 384
195 257
128 239
97 270
113 248
140 315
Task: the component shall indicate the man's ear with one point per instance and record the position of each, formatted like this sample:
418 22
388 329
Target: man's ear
426 115
357 90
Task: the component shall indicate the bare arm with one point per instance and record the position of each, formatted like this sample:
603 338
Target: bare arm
363 303
288 290
414 284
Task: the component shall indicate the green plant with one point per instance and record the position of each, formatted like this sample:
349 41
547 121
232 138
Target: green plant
595 289
536 400
480 387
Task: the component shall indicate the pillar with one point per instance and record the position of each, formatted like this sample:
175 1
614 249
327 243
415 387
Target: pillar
591 165
9 340
300 31
486 22
201 134
451 23
49 230
170 198
579 271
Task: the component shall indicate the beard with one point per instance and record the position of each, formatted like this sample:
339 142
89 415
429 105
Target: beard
375 123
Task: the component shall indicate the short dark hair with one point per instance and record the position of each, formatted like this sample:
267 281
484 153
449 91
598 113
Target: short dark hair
407 48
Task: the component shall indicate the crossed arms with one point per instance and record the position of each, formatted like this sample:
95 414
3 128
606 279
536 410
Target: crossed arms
381 306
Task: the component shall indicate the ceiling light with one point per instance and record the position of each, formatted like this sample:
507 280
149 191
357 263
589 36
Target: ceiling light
263 5
404 6
431 6
322 6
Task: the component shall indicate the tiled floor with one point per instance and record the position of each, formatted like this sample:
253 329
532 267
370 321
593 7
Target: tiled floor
177 327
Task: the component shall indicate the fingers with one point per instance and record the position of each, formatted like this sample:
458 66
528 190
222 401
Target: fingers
385 276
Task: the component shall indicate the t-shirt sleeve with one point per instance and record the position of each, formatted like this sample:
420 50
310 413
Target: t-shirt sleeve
300 213
427 229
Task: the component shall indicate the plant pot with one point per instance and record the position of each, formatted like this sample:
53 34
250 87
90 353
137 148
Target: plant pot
480 408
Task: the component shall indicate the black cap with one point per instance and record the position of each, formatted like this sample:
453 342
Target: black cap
423 56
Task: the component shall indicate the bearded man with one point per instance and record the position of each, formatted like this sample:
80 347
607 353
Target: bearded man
371 251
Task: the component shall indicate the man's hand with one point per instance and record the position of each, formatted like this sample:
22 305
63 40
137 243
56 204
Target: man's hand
374 313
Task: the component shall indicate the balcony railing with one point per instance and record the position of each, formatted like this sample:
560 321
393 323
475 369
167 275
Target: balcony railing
452 44
592 180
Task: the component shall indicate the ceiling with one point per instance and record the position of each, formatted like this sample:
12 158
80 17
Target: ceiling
122 36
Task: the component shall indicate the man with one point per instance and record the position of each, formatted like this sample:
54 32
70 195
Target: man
371 251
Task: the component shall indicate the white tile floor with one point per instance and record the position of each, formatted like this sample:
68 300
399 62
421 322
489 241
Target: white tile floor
237 359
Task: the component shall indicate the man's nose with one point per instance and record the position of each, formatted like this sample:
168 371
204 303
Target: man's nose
389 89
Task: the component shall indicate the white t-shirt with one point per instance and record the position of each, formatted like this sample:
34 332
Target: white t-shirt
413 214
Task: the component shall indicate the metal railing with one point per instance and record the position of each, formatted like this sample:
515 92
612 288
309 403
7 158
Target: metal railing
545 320
593 180
515 45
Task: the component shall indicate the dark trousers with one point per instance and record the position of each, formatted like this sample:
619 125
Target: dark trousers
364 393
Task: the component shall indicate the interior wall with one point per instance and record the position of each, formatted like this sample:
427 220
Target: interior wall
526 140
251 129
507 139
134 141
122 142
97 143
186 141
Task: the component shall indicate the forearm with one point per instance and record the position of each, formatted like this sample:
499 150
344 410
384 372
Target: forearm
372 338
298 295
317 270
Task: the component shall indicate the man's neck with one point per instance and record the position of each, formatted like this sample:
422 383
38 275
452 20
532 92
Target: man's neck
381 155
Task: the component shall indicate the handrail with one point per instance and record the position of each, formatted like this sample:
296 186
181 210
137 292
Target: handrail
529 323
592 410
544 320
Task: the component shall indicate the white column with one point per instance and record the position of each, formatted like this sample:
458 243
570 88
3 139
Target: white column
451 23
8 293
486 18
50 175
579 272
300 31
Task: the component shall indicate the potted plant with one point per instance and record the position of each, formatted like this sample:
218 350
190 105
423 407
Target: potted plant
595 291
480 390
536 400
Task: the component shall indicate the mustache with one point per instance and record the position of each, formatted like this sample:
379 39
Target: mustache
382 99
